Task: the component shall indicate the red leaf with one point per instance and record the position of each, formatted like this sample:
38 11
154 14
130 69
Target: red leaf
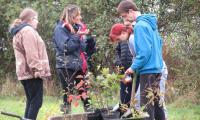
70 98
84 95
76 103
78 97
80 84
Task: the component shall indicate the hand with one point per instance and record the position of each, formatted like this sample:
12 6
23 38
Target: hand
129 71
69 27
85 32
127 79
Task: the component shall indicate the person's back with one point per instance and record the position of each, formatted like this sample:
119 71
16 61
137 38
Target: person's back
149 44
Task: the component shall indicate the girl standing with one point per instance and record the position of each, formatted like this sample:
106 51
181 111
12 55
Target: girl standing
71 61
32 64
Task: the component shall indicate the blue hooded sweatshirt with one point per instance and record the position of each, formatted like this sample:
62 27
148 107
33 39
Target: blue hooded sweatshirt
148 45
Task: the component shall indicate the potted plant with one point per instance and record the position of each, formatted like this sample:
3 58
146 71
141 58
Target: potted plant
104 93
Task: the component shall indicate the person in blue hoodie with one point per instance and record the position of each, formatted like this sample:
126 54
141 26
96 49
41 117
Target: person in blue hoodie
148 61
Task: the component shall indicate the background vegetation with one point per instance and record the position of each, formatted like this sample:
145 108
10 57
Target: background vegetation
178 21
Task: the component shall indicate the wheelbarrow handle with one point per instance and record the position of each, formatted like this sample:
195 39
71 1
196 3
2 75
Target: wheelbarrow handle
12 115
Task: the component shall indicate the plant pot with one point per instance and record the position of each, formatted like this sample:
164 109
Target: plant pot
105 114
99 114
82 116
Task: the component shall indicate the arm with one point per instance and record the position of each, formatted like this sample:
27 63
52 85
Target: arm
118 55
91 45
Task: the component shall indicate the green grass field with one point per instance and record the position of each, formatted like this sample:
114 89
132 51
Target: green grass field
16 105
51 107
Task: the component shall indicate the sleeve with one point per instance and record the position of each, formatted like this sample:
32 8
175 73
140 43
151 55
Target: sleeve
90 45
118 55
83 45
143 47
31 47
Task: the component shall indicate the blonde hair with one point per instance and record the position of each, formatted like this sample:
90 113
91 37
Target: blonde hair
69 13
25 16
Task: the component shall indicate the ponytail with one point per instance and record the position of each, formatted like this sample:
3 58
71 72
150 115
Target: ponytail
15 23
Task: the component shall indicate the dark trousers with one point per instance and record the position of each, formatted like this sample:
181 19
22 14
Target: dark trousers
34 94
149 83
125 91
71 84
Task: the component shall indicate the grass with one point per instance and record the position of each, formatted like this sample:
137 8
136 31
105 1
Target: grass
177 111
184 109
16 105
185 113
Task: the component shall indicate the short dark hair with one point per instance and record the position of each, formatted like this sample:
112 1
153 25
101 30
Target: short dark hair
125 5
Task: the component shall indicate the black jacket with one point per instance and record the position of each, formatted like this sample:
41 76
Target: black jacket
123 55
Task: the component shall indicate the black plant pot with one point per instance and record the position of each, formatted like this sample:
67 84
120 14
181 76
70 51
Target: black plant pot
105 114
99 114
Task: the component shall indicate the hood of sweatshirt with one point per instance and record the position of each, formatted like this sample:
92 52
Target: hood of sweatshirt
16 29
149 18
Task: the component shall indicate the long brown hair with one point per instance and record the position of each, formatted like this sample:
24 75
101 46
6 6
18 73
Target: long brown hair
69 13
25 16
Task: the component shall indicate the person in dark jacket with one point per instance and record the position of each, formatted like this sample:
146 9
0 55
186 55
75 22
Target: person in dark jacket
123 60
71 63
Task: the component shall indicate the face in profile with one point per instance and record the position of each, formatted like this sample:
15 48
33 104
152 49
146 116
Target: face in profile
128 17
77 19
123 37
34 22
128 24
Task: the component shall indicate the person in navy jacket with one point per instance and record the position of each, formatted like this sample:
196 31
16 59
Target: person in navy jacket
71 61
